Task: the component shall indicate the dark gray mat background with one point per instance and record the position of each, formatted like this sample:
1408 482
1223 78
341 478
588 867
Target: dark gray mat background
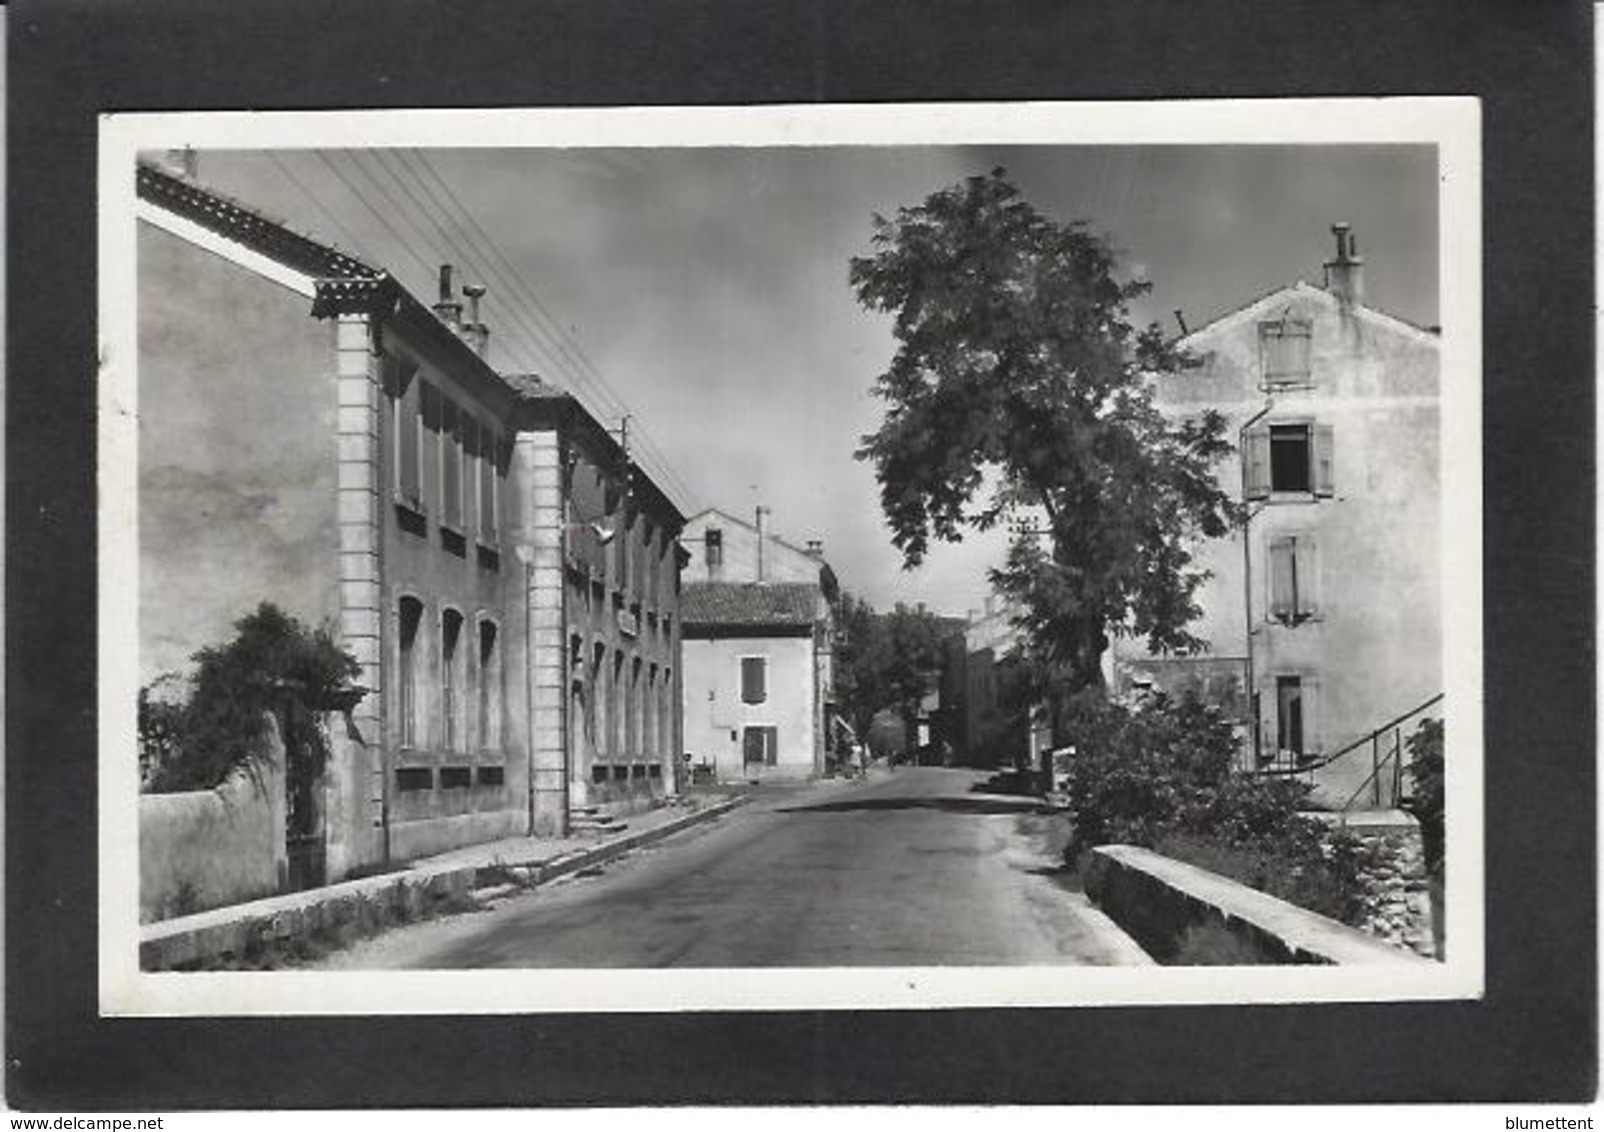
1533 1037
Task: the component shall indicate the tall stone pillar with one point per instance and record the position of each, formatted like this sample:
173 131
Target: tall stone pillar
354 810
539 460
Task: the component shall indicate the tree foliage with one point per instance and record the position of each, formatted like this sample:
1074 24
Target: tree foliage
885 660
1020 388
273 667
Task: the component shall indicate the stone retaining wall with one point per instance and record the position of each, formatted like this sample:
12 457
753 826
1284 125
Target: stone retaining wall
1392 873
1158 900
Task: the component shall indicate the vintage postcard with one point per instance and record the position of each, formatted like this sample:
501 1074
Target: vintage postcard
790 557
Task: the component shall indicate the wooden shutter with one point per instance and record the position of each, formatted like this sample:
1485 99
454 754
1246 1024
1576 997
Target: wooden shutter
754 673
451 464
1256 464
429 446
1322 458
489 526
405 441
771 745
1282 584
1307 568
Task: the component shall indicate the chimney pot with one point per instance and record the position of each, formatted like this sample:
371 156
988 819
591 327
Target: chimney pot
448 309
1345 273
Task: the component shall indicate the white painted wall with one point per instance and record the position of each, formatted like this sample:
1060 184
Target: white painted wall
715 715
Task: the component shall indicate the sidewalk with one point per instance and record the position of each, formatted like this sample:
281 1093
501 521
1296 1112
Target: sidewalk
264 933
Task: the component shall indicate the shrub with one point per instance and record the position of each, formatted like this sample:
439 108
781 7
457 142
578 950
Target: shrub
1425 748
274 666
1159 774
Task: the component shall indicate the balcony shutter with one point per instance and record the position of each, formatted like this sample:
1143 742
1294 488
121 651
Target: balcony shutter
1283 603
1307 570
1256 464
1322 456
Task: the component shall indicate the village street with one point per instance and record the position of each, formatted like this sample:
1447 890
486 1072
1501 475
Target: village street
911 867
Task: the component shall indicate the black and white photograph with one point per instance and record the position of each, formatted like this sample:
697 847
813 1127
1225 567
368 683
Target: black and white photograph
829 557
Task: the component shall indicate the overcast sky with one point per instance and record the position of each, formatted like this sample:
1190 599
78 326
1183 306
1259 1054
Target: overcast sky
708 287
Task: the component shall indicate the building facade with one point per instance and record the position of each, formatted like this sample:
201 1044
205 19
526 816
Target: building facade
759 633
313 435
1323 614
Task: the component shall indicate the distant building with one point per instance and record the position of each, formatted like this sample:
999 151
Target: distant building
312 434
1325 623
758 641
988 717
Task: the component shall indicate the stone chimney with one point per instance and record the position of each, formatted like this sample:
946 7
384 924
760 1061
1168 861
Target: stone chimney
474 330
1345 274
448 309
183 163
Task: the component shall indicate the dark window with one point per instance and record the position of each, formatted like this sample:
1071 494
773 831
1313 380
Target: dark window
491 776
1289 714
411 617
715 547
754 679
598 774
451 681
761 746
456 777
489 687
412 778
1289 458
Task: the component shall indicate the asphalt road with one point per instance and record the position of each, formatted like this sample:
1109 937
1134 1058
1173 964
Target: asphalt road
911 868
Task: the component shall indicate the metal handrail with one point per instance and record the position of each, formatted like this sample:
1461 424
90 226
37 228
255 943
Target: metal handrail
1368 737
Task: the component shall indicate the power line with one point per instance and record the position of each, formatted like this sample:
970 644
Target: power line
353 243
377 215
577 354
545 343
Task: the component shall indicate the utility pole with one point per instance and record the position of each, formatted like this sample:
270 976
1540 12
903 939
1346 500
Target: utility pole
761 511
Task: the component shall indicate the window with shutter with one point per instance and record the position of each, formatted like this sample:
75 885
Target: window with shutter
715 546
1283 579
1284 353
754 679
1293 579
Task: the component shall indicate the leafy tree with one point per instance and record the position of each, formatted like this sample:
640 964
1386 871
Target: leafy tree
274 665
857 646
885 661
1019 377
